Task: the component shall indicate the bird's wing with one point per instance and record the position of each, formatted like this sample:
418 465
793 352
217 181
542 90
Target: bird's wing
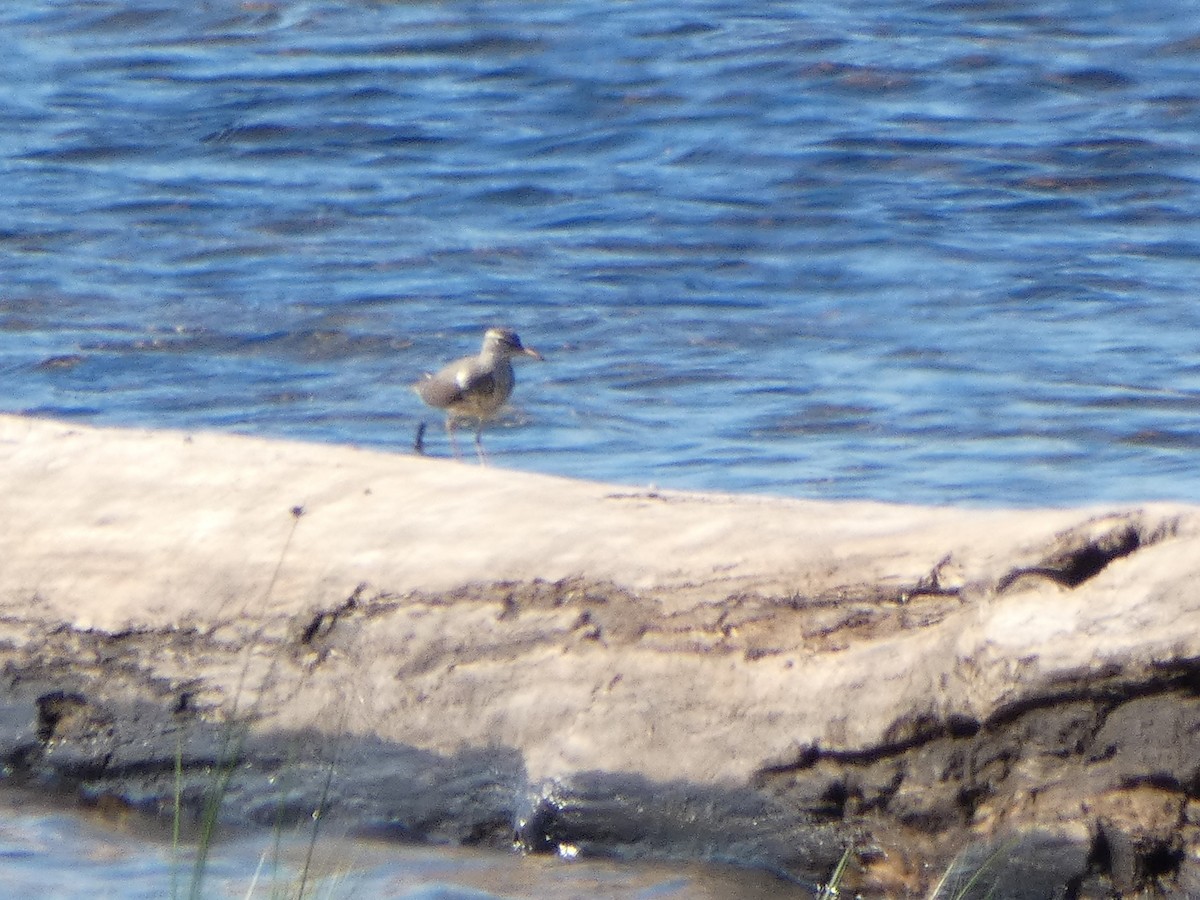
472 378
453 383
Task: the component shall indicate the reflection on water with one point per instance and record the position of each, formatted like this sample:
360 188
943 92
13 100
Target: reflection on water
49 853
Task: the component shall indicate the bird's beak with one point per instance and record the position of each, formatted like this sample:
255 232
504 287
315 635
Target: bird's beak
529 351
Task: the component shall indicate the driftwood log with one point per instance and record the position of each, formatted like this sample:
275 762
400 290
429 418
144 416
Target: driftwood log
490 657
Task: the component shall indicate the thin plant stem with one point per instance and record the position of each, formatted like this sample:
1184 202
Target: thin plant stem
257 871
236 732
279 810
227 762
178 814
829 890
297 512
963 892
319 813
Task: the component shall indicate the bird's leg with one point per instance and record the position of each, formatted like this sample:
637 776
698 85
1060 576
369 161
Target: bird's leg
419 440
479 444
453 439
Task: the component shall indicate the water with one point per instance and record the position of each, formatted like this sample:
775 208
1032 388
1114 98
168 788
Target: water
48 853
941 251
934 252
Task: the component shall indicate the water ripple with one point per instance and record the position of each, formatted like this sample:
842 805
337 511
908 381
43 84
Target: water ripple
941 253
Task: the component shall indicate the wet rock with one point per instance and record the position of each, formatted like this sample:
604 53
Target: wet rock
603 814
1029 866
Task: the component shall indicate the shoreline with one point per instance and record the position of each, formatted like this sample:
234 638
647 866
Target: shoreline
496 656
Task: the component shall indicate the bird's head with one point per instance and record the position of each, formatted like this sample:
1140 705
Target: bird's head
505 342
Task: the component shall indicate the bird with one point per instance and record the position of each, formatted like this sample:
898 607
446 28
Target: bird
474 387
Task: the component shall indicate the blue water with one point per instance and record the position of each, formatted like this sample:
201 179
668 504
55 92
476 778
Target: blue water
935 252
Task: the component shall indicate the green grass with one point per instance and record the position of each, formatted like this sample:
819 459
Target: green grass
234 735
973 878
831 890
945 889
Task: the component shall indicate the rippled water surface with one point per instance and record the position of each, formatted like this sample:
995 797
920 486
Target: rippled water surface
940 252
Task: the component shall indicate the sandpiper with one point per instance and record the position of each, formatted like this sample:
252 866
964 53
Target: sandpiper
474 387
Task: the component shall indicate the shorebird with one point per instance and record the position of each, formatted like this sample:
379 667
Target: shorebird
474 387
